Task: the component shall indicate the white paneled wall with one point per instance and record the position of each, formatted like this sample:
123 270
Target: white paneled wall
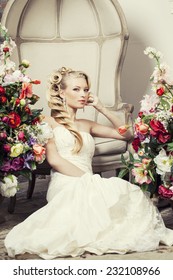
150 23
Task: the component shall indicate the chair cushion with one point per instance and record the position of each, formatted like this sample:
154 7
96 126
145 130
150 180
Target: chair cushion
101 162
107 146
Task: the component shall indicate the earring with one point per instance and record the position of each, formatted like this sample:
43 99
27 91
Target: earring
64 104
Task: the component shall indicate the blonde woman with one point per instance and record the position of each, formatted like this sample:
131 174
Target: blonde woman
85 213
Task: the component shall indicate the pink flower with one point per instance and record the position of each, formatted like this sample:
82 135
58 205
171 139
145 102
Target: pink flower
141 176
146 161
3 135
21 136
39 152
7 148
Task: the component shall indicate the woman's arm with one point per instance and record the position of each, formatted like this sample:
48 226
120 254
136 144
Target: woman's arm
106 131
60 164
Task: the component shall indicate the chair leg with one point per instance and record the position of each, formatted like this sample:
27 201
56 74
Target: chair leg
31 185
12 204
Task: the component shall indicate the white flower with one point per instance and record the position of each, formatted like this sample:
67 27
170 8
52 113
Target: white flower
3 28
10 65
16 76
46 132
9 187
163 162
164 117
2 70
161 73
149 103
151 52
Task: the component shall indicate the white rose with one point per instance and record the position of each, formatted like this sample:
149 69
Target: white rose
163 163
46 132
9 187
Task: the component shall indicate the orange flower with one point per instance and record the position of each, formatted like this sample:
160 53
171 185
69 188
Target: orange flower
36 82
39 152
142 128
26 91
123 128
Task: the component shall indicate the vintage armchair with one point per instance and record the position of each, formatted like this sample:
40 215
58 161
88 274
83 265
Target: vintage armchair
88 35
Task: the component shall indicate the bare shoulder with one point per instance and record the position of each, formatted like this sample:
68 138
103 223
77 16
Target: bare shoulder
85 125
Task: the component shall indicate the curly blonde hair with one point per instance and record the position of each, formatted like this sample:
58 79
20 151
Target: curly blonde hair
56 83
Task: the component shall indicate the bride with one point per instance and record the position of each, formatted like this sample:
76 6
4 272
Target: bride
85 213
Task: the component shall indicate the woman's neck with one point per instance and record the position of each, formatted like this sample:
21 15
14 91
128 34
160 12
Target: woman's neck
72 113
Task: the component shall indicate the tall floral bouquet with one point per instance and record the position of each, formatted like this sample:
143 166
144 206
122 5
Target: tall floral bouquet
23 134
151 163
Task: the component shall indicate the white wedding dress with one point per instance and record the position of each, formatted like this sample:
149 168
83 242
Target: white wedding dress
88 213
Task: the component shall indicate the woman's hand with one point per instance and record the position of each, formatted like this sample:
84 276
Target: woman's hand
94 101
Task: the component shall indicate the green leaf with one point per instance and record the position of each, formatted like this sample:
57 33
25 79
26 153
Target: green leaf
123 160
123 172
151 175
170 146
165 104
131 157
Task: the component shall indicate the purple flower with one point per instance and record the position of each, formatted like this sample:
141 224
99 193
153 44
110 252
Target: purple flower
27 160
32 141
6 166
17 163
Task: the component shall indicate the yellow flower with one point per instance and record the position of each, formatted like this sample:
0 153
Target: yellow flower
16 150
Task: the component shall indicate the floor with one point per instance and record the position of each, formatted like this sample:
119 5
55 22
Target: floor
24 207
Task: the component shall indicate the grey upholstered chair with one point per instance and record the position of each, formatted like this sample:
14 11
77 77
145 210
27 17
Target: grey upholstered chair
88 35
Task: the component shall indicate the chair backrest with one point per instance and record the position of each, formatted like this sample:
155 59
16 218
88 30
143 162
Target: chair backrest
87 35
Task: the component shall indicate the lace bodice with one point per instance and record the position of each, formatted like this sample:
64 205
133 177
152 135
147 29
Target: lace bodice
65 142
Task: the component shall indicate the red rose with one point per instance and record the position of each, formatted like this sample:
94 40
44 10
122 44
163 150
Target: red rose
157 126
136 144
17 101
140 114
3 99
163 137
164 192
5 50
27 110
159 131
35 121
14 120
2 90
160 91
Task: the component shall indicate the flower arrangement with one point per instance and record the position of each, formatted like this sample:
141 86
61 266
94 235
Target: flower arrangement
23 134
151 162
